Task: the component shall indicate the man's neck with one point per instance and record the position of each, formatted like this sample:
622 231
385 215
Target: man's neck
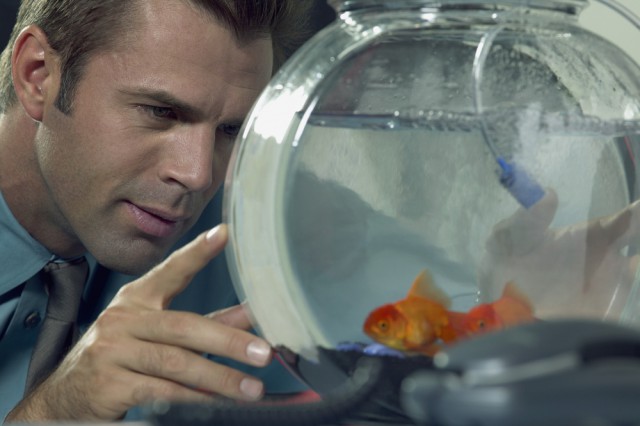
23 185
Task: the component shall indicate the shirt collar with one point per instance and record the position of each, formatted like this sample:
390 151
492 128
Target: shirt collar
21 255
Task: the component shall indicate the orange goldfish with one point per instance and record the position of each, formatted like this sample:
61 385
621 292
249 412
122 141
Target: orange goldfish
415 323
510 309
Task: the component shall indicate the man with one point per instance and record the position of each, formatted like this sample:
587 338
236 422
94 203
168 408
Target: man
117 121
112 143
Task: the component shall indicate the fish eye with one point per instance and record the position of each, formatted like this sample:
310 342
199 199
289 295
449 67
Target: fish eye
481 324
383 325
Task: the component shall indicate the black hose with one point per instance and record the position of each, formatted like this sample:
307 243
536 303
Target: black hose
332 408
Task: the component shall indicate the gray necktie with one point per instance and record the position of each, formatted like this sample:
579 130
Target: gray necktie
65 282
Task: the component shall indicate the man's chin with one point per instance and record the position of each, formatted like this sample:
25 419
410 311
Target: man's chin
130 268
131 261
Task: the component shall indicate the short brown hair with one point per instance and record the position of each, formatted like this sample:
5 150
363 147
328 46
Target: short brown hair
78 28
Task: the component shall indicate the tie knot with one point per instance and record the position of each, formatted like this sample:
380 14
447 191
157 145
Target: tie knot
65 282
75 264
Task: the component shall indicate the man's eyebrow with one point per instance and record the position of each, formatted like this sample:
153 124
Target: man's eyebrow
165 98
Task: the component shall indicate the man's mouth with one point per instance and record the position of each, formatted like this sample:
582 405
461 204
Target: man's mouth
153 221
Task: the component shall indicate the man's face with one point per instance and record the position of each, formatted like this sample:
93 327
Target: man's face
150 134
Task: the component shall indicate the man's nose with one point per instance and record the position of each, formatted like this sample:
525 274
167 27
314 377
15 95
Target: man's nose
189 159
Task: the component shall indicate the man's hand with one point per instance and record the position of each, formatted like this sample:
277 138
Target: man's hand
138 351
581 270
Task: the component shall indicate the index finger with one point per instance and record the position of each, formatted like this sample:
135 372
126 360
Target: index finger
160 285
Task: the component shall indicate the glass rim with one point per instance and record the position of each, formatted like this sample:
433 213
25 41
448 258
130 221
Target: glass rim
350 5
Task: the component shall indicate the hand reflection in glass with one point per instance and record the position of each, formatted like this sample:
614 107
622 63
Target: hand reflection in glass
582 270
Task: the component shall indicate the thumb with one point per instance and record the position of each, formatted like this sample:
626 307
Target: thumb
160 285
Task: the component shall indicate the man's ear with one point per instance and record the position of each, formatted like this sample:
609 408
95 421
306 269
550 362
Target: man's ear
34 71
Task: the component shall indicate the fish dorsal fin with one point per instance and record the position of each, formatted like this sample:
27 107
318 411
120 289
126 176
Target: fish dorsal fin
424 287
511 291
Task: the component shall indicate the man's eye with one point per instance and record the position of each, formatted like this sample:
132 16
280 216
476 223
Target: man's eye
230 130
163 113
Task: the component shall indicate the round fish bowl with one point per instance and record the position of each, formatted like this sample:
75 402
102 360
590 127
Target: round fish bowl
421 173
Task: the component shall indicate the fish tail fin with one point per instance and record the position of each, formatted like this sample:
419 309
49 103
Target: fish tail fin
511 291
513 306
424 286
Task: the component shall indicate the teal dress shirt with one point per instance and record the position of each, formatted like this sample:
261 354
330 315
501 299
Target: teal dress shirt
22 307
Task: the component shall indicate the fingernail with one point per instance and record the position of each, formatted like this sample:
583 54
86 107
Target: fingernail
259 351
251 388
214 233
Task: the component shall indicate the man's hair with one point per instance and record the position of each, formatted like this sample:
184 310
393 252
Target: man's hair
77 29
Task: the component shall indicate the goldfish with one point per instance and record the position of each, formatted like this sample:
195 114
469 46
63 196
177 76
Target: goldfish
512 308
415 323
420 321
